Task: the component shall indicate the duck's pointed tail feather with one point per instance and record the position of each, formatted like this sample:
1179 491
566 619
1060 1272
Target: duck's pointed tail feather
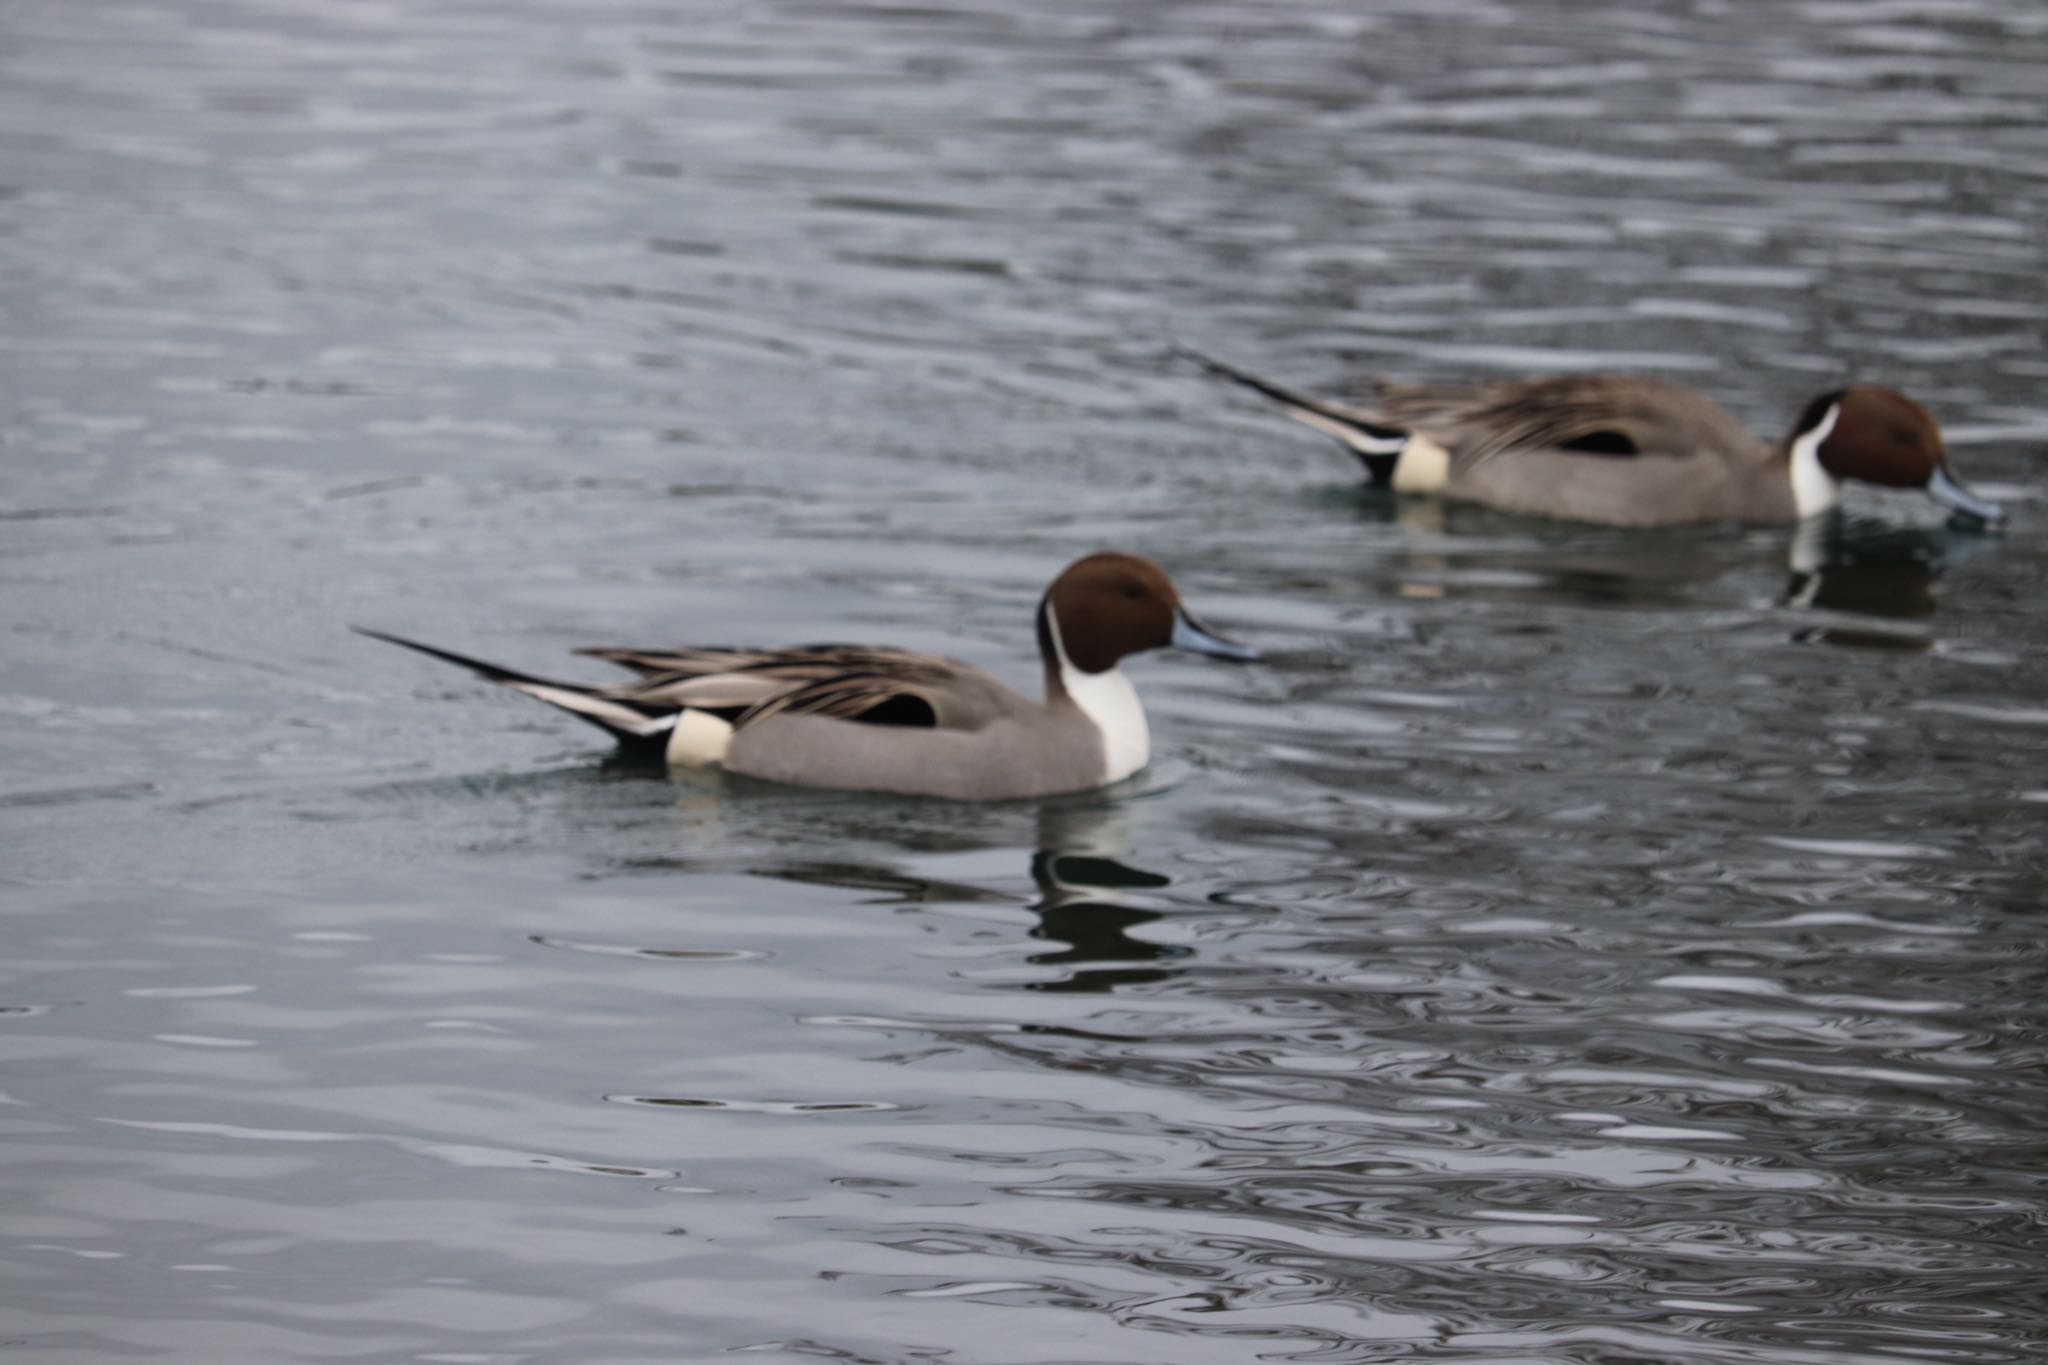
1361 431
620 719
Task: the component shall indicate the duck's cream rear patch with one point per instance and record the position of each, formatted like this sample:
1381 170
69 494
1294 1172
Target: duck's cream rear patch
699 740
1424 466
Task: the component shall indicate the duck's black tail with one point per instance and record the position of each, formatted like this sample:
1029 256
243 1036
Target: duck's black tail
1376 442
622 719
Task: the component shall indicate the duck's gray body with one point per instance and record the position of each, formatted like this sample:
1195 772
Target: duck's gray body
1023 749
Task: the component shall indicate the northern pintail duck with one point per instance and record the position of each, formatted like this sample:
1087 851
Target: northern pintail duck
1628 450
881 719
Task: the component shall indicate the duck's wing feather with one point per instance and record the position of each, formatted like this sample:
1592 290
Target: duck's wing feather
788 662
1611 416
876 685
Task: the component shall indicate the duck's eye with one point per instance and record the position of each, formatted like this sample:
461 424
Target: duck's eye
1133 592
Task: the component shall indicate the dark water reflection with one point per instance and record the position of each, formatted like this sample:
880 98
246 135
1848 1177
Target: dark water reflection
1573 945
1866 578
1087 907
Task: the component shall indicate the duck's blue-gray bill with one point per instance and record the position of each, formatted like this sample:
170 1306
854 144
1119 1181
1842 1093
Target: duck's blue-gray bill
1945 490
1189 633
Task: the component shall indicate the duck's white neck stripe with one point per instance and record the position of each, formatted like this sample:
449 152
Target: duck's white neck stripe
1111 703
1814 490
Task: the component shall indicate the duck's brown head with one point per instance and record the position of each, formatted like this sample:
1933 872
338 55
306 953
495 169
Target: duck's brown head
1879 436
1108 605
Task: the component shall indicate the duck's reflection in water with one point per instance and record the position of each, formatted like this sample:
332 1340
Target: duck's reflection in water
1445 550
1871 583
1088 897
1089 900
1856 579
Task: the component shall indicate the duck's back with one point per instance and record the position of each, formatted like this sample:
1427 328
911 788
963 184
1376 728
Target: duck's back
1603 414
1620 449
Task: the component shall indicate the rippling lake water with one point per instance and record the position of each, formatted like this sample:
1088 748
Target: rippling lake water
1572 945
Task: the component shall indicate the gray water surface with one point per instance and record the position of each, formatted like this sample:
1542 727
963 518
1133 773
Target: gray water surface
1572 945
